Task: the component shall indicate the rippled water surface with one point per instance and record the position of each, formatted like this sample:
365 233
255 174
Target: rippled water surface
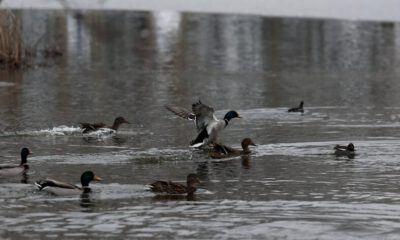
133 63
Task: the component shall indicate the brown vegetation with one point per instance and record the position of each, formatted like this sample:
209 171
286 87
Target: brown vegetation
10 40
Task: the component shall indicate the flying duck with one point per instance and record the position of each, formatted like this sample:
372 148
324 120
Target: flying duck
208 126
63 189
175 188
11 170
222 151
348 150
297 109
89 127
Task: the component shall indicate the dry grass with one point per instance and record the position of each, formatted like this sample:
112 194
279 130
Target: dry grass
10 40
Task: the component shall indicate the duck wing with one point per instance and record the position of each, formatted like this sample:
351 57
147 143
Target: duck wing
41 184
181 112
158 186
219 148
88 127
338 147
167 187
218 151
223 151
176 188
231 150
204 115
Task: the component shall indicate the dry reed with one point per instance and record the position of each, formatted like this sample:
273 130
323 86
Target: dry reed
10 40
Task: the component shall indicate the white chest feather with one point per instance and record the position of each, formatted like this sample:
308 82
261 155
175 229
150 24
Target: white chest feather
215 127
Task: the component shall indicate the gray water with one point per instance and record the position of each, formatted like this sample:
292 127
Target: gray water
133 63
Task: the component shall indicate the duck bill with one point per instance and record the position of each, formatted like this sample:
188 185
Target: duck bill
97 178
239 116
127 122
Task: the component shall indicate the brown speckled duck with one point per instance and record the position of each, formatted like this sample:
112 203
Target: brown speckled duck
10 170
175 188
222 151
348 150
89 127
297 109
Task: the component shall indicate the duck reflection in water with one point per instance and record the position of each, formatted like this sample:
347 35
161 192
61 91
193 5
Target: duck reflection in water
86 201
24 178
104 138
246 163
188 197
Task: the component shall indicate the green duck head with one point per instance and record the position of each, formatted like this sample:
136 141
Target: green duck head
87 177
231 114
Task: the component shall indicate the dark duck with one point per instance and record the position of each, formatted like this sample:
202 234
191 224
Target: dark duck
348 150
9 170
59 188
90 127
175 188
223 151
207 125
297 109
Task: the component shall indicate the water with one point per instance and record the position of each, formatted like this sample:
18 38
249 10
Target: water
131 64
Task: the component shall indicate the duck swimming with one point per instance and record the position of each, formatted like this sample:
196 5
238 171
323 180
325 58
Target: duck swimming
208 126
222 151
90 127
10 170
62 189
297 109
348 150
175 188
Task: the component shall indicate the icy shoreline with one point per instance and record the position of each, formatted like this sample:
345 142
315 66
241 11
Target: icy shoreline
370 10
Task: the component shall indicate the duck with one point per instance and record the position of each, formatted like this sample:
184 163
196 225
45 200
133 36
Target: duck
90 127
207 125
222 151
11 170
59 188
192 181
348 150
297 109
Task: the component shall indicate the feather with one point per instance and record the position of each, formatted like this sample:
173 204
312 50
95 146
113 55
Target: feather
181 112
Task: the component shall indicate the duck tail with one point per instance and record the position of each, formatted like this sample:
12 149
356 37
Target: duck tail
40 184
149 186
198 142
